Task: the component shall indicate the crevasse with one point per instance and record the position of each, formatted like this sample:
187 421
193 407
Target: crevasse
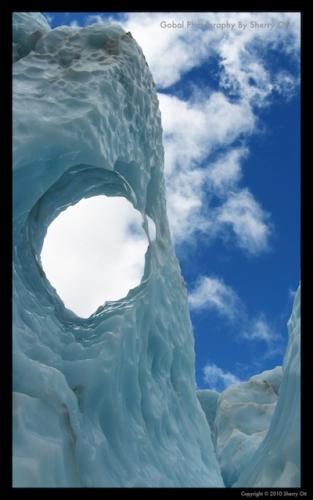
277 461
240 419
256 424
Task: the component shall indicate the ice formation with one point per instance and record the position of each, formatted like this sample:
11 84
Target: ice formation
27 29
242 419
255 425
276 462
109 400
208 400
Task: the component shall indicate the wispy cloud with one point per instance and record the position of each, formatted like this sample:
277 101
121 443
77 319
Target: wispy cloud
102 19
192 180
95 18
259 330
240 51
226 172
247 219
218 379
212 293
194 128
191 177
74 24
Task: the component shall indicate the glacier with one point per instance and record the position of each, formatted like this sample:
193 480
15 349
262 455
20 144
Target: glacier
255 425
242 418
208 400
111 400
277 461
107 401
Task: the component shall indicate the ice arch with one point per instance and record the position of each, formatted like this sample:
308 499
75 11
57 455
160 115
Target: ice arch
109 400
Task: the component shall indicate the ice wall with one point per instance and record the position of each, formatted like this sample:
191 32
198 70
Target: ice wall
276 462
255 425
208 400
27 29
109 400
243 416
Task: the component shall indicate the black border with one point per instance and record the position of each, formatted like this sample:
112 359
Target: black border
6 243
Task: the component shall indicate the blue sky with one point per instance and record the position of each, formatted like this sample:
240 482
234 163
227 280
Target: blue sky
230 105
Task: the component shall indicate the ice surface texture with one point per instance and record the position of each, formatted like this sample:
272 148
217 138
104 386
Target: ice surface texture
109 400
276 462
27 29
255 425
243 417
208 400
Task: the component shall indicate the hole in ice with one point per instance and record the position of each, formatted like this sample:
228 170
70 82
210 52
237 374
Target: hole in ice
94 251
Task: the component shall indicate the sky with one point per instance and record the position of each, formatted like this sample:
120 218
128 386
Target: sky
228 88
102 256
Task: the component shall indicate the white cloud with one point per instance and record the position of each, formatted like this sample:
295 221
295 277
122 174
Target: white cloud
285 84
260 330
94 251
218 379
247 220
213 293
192 131
171 52
94 19
99 19
185 205
225 173
190 183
